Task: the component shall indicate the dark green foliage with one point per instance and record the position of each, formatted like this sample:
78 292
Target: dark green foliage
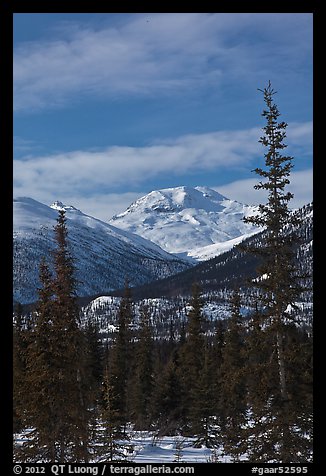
94 354
258 358
198 372
279 283
109 433
260 379
193 355
281 421
143 374
233 394
216 384
204 409
283 427
120 361
20 343
59 397
41 377
72 396
168 397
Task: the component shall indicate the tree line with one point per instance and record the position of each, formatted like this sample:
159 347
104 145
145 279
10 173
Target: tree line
220 388
245 389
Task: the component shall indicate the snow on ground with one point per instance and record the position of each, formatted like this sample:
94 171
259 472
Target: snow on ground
163 450
104 310
145 447
211 251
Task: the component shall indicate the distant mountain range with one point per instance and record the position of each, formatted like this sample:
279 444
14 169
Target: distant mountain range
104 255
176 228
195 223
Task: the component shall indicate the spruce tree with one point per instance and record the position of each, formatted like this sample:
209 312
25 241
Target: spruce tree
94 357
121 360
168 397
259 380
278 271
20 342
193 358
143 382
108 442
59 399
233 391
41 377
94 365
204 409
279 287
73 396
217 377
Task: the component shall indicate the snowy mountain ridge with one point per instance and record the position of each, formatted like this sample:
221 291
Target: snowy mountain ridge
105 256
57 205
197 223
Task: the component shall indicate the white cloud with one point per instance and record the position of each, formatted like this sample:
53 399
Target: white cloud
98 174
137 57
300 139
156 53
103 206
86 171
301 186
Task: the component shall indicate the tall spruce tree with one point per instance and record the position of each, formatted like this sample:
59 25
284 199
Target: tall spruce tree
121 362
205 409
168 397
41 377
94 357
143 382
193 360
279 288
73 394
217 378
233 387
59 399
20 342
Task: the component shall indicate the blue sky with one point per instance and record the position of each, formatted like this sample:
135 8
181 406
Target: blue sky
108 107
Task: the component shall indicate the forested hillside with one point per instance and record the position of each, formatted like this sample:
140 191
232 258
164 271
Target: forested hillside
233 268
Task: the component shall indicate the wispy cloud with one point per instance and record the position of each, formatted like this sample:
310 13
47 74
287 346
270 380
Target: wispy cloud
84 171
301 186
102 205
94 174
156 53
24 146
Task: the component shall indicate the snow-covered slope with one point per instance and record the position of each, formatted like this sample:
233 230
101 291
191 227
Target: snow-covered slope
105 256
197 223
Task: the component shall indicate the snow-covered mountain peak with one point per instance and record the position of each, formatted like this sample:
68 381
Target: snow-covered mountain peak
170 200
182 220
200 198
57 205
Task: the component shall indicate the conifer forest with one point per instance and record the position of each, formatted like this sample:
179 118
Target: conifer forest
215 357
